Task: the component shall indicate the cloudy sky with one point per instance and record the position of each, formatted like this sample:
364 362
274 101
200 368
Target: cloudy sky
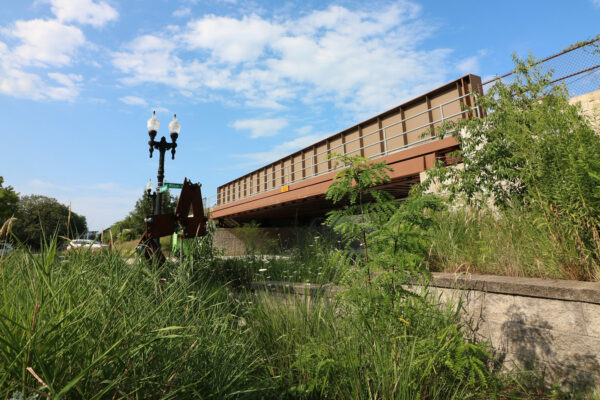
250 81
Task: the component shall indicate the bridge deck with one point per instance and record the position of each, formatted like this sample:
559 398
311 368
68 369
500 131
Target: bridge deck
402 137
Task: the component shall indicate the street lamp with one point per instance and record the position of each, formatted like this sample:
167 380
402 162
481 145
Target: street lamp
151 196
149 187
162 146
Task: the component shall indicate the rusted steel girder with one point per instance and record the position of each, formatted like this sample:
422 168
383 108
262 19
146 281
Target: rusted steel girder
191 224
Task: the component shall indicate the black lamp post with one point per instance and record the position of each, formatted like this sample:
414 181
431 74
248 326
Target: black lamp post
151 196
162 146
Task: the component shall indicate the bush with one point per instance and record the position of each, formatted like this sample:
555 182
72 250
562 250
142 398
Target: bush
128 234
536 153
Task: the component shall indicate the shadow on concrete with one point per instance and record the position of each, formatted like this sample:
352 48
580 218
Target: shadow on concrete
531 344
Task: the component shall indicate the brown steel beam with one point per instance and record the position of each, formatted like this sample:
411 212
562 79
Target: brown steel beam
381 138
408 162
432 147
429 115
403 118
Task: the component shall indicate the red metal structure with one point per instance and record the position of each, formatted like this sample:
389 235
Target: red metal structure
403 137
188 216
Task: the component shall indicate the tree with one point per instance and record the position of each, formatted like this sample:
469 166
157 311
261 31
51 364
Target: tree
41 216
8 201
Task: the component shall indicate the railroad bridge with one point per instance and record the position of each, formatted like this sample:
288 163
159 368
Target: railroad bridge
292 189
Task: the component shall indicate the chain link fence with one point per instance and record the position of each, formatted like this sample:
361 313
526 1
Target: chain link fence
577 67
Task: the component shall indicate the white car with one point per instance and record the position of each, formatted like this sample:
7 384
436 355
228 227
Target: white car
86 244
5 248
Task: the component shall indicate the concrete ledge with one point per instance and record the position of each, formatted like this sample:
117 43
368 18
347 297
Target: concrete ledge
555 289
585 292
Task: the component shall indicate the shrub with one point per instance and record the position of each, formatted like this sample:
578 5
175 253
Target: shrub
128 234
536 152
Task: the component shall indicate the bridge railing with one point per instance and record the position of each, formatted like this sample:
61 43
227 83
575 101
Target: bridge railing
384 140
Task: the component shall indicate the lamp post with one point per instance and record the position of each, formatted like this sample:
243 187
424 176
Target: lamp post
162 146
150 195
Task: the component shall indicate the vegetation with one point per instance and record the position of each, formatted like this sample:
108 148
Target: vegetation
28 217
315 351
8 201
93 325
89 325
536 156
176 331
38 214
511 243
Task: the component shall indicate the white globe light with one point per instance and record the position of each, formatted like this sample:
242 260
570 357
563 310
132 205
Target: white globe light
153 123
174 126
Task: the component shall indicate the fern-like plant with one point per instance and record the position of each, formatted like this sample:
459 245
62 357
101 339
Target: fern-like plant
365 206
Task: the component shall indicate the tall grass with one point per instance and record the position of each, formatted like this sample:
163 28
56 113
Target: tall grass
509 242
91 326
319 348
314 258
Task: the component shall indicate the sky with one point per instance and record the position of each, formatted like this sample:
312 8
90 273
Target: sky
250 81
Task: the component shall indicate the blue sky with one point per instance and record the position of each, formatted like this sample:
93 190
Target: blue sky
250 81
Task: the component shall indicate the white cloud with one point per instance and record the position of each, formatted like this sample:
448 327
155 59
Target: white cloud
362 62
41 43
182 12
470 65
151 58
261 127
69 89
40 184
232 40
305 130
133 101
45 42
17 83
67 80
83 11
14 82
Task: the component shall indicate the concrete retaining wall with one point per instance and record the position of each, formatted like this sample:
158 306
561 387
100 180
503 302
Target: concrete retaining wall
550 326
